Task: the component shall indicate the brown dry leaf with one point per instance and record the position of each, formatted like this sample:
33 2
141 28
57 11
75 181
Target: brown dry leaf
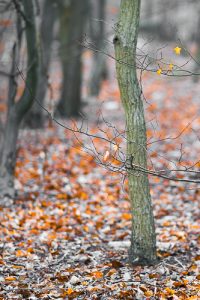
116 264
111 272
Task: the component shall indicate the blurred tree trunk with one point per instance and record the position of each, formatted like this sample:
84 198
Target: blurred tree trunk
35 118
98 72
73 16
17 110
197 58
143 240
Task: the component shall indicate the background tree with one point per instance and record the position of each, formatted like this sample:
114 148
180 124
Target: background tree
73 17
98 36
17 110
143 240
35 118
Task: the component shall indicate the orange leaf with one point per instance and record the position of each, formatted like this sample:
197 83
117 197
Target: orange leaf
70 291
126 216
169 291
5 23
20 253
51 236
30 250
62 196
97 274
2 107
10 278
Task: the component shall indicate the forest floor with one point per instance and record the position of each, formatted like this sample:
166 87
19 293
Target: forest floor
67 234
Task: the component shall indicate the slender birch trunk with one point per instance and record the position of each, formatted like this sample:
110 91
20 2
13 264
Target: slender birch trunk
143 239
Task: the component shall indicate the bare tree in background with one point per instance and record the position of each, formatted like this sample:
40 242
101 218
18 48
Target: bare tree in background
73 15
35 118
17 110
98 72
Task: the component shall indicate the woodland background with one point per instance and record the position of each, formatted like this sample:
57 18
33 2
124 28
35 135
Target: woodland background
65 231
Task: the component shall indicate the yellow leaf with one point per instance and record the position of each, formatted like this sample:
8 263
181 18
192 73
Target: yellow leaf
177 50
159 71
198 164
84 283
171 66
148 293
169 291
106 156
115 147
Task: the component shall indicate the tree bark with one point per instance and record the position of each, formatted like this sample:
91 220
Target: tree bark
17 110
98 72
35 118
8 155
197 56
73 16
143 240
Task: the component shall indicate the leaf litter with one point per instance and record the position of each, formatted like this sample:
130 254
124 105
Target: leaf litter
67 234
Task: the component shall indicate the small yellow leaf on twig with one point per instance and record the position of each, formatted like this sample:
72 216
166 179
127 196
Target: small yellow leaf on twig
171 66
159 71
106 156
177 50
115 147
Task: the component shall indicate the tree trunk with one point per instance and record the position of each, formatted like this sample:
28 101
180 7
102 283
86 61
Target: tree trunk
197 56
98 72
143 241
17 110
8 155
35 118
73 16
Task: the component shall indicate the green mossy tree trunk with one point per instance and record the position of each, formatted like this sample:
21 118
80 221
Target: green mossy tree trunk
143 239
17 110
